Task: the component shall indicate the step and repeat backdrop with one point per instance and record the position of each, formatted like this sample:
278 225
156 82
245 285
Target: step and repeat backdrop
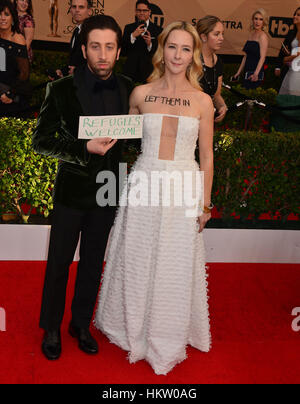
54 21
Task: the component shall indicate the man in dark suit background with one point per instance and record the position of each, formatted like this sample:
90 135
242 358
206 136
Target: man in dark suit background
140 43
93 90
80 11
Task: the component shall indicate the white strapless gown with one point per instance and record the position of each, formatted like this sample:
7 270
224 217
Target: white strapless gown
153 298
291 81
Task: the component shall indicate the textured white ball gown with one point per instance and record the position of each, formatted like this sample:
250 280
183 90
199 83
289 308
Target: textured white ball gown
153 298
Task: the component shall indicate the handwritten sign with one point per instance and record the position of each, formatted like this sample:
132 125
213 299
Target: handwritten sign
114 126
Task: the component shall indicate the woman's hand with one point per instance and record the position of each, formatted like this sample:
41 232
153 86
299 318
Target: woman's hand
221 113
202 220
254 77
5 99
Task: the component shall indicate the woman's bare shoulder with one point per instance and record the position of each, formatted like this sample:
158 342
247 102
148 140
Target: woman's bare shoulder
203 98
19 39
263 37
204 103
141 91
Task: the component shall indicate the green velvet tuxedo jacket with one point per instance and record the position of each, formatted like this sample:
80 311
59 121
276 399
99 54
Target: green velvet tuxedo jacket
56 135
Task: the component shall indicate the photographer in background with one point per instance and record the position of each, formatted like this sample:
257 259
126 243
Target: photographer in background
140 43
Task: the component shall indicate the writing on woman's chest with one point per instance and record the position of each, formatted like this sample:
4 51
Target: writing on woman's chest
173 102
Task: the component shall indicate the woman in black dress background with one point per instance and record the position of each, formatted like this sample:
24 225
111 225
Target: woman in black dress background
14 74
211 32
256 49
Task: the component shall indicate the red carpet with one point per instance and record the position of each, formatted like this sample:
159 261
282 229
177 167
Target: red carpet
253 341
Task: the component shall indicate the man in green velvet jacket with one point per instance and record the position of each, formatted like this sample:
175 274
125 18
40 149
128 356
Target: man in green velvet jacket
93 90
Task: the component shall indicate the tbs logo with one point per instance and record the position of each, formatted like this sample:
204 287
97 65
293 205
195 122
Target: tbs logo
157 15
279 27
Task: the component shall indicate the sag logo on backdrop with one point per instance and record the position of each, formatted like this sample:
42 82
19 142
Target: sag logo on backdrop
98 8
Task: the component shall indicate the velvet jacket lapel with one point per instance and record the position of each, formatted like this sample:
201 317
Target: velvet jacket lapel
81 90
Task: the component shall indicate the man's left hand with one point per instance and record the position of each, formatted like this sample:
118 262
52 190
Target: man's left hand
147 38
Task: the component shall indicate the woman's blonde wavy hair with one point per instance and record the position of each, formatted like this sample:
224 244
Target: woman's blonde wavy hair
195 70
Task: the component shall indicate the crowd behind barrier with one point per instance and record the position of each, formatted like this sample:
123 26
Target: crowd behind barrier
21 100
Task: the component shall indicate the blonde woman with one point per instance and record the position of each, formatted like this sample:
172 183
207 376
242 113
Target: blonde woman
153 300
256 49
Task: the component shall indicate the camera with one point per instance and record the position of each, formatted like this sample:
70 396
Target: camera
141 24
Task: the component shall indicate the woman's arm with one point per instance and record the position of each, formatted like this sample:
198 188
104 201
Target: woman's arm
289 59
29 34
219 102
19 39
241 68
206 131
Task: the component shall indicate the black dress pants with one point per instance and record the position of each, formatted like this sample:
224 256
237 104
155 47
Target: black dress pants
67 225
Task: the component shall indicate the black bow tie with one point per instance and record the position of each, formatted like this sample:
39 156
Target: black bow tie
109 84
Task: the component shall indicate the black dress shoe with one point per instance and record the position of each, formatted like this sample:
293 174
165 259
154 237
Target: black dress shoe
51 345
85 341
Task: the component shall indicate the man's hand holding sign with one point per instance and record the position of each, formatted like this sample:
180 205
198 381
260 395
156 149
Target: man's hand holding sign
100 146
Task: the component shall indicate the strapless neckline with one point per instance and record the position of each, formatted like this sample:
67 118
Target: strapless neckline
171 115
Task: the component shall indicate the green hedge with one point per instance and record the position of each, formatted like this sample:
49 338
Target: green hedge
255 172
25 177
